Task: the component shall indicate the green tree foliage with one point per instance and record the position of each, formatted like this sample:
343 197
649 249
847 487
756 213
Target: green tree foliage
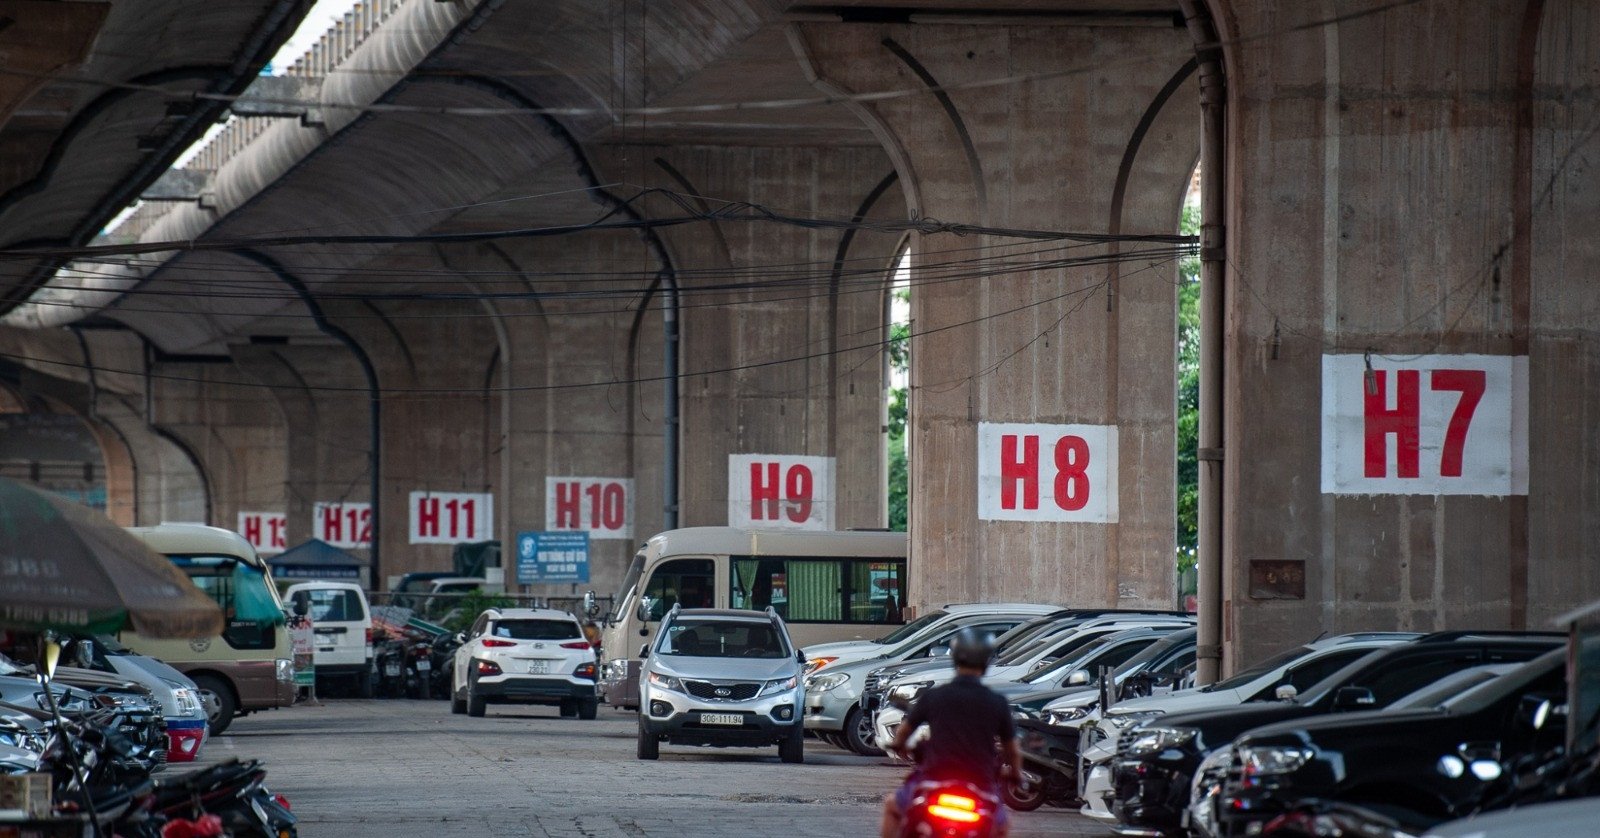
1188 395
899 475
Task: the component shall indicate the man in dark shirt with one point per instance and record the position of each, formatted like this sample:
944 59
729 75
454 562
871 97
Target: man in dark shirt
970 733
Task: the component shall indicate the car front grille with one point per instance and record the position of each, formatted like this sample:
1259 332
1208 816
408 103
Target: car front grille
871 684
715 692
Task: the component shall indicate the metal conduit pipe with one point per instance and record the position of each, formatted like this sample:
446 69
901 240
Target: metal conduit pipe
374 393
1213 239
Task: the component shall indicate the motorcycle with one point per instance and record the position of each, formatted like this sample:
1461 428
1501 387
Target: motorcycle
419 669
949 810
1049 767
234 791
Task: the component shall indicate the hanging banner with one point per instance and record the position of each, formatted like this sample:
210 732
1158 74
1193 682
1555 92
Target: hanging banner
342 524
776 491
302 637
1035 472
266 531
1425 425
451 517
544 557
600 506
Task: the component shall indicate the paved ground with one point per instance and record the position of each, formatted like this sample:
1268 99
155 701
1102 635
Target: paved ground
379 769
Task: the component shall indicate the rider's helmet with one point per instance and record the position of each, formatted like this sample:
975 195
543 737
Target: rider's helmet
970 649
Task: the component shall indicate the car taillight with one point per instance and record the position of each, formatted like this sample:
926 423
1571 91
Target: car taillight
955 807
369 635
576 644
498 644
585 670
488 668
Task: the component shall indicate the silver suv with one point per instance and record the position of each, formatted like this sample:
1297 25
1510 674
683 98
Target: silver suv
722 678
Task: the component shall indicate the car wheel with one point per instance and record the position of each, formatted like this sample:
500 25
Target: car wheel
569 709
217 698
793 747
859 735
588 709
649 745
1023 800
476 704
366 681
458 704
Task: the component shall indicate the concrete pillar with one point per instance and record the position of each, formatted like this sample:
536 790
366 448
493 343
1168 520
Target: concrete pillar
1100 149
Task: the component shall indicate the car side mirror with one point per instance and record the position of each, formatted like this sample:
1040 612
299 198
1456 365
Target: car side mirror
1078 678
461 637
800 656
1286 692
644 651
1354 698
643 611
939 652
590 607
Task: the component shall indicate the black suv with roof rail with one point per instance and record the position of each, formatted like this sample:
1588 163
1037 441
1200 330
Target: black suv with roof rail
1152 775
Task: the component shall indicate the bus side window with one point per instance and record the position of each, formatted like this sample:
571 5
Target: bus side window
685 582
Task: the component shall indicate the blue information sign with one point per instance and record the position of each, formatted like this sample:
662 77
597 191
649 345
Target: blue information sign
552 557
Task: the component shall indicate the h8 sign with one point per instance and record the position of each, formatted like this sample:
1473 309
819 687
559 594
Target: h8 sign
778 491
600 506
343 524
1425 425
266 531
451 517
1035 472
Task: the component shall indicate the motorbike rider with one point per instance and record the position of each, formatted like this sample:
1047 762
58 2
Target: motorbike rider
971 736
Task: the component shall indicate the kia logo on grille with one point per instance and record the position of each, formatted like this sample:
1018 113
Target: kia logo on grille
723 692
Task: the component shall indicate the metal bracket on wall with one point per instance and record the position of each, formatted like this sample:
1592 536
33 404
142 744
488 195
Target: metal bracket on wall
1208 454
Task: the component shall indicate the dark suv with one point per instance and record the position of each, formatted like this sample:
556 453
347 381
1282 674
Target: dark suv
1417 766
1153 774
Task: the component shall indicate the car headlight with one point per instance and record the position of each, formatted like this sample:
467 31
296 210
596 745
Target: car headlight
666 682
779 685
1058 718
188 701
823 683
1272 759
285 670
815 664
1122 721
1157 739
909 692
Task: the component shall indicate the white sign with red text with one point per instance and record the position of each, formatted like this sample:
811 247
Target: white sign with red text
451 517
1425 425
779 491
600 506
266 531
1034 472
342 524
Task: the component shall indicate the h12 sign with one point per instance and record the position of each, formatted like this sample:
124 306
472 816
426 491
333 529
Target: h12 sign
1032 472
451 517
1425 425
343 524
266 531
600 506
776 491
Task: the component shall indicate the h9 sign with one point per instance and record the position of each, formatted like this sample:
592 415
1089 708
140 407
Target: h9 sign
600 506
1033 472
266 531
778 491
343 524
451 517
1425 425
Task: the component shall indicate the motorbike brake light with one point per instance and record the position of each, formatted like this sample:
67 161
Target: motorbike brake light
498 644
955 807
283 801
576 644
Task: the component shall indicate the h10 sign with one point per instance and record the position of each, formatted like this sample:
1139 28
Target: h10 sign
266 531
1425 425
776 491
600 506
451 517
342 524
1034 472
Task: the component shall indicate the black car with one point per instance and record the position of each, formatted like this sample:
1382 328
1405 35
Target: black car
1152 775
1419 766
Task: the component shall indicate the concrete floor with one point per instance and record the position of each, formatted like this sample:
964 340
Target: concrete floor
379 769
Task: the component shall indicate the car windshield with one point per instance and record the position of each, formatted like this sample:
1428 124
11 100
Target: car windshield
331 605
1270 664
910 628
1010 647
1153 652
1068 662
1439 692
710 638
537 630
1540 674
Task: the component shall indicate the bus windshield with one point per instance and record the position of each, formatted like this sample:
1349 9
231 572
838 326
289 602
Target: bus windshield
630 581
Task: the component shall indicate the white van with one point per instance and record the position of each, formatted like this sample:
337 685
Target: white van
342 624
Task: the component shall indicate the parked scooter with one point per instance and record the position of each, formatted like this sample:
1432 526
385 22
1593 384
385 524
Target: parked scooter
419 669
235 792
1049 767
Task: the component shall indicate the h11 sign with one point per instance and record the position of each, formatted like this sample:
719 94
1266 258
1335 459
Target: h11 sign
266 531
779 491
1034 472
544 557
1425 425
342 524
600 506
451 517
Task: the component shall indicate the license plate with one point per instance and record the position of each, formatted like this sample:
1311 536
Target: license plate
424 665
391 669
539 667
721 719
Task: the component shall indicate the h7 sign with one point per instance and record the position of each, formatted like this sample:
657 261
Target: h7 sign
343 524
451 517
1425 425
600 506
266 531
1034 472
778 491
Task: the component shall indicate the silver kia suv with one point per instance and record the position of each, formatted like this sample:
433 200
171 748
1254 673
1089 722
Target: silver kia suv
723 678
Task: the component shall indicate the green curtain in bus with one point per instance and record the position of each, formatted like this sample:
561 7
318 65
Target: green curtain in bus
744 580
252 600
813 589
